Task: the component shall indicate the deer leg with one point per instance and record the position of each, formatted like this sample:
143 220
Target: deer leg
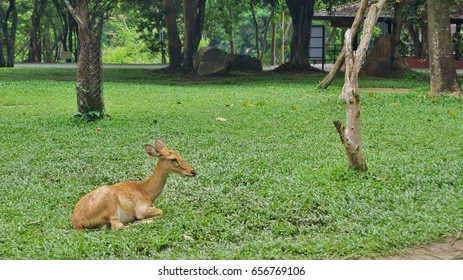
116 223
148 213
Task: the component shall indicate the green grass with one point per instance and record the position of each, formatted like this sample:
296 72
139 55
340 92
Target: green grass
272 179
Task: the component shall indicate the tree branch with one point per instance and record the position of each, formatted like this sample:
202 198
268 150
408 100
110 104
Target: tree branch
73 12
342 55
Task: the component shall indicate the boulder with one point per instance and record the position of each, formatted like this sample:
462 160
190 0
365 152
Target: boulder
211 61
245 63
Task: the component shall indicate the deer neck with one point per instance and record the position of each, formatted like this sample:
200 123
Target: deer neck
155 184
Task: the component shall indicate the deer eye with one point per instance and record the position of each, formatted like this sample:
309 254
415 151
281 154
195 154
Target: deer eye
174 160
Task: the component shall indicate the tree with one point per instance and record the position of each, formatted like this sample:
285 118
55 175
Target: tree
69 28
350 134
441 62
223 17
35 48
301 13
416 22
90 20
9 25
194 13
174 44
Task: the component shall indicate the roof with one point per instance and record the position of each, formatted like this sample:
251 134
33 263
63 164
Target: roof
344 15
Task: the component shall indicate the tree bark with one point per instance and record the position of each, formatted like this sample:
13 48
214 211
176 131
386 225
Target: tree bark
301 13
89 67
350 135
174 43
441 61
325 83
193 13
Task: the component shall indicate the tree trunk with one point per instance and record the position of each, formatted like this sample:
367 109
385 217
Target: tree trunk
193 13
9 22
35 51
174 43
89 73
3 36
89 67
273 54
441 61
350 135
264 39
414 35
301 13
232 41
231 31
397 61
256 27
324 84
424 35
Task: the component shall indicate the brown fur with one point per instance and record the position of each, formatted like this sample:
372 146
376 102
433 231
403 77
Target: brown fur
126 202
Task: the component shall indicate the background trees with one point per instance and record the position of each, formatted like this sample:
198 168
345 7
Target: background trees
40 30
9 24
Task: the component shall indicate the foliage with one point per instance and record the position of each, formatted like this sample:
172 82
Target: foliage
123 45
88 116
272 178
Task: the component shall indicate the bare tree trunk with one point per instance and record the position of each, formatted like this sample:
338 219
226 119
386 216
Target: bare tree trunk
325 83
351 134
174 43
441 61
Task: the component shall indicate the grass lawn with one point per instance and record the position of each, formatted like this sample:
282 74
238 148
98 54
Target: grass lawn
272 178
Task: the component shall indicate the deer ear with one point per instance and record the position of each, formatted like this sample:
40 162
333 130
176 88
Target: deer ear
151 151
160 145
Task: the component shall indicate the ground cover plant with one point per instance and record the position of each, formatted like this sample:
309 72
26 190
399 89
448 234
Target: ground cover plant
272 177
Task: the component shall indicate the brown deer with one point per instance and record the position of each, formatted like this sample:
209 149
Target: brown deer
126 202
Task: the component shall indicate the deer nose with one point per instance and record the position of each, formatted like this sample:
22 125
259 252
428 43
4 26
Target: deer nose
193 173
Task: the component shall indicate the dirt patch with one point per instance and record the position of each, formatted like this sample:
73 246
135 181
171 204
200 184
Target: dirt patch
385 90
450 250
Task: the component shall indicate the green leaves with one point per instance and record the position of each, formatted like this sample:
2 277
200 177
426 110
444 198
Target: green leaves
88 116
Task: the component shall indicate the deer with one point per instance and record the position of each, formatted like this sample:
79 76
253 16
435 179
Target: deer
126 202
